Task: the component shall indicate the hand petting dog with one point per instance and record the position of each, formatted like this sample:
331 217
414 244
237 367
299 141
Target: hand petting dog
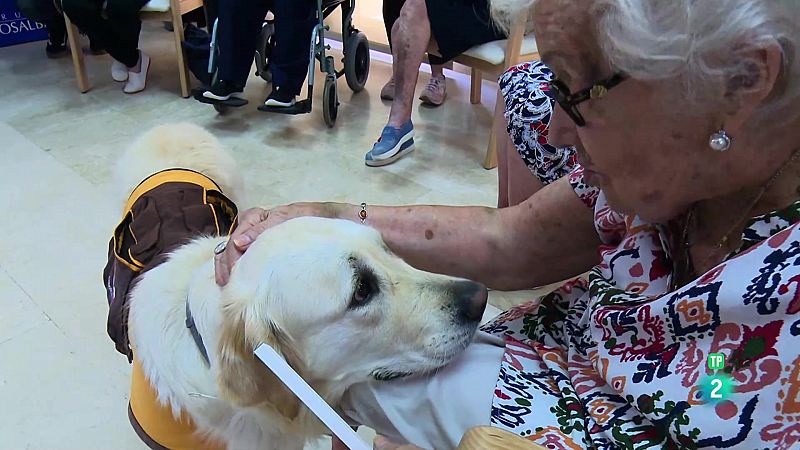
380 443
255 221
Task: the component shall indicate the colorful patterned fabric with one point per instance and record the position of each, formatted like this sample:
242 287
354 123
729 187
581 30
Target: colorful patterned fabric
528 112
619 362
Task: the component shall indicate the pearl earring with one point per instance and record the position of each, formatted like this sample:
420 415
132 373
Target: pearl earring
719 141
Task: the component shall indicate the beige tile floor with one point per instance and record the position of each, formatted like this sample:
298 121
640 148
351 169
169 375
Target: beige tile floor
62 385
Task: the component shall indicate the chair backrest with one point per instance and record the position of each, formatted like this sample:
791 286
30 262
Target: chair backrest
185 6
157 6
496 57
162 6
514 42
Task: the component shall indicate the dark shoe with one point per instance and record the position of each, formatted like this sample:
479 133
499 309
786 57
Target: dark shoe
57 39
56 49
222 90
280 98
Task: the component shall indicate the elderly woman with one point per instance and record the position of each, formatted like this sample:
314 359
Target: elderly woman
685 210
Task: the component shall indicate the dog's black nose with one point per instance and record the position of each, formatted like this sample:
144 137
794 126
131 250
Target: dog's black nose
470 299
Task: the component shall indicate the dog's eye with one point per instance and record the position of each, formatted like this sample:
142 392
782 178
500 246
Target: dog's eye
363 292
365 284
365 288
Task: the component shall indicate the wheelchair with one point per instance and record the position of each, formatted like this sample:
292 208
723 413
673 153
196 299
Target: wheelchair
355 69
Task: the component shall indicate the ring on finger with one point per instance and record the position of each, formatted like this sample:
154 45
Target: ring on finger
220 247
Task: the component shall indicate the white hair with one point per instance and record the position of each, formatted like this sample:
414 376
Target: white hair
698 42
505 12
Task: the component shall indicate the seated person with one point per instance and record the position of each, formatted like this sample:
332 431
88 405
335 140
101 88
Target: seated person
115 28
436 89
526 161
449 27
45 12
239 23
685 210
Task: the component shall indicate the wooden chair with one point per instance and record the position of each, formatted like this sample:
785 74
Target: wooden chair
169 10
494 58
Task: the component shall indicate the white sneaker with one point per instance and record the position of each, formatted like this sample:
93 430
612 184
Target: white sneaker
280 98
119 71
138 80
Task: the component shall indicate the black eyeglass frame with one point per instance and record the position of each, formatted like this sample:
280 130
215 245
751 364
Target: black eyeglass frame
569 102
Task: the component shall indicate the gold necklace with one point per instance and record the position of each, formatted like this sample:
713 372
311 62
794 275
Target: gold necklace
685 272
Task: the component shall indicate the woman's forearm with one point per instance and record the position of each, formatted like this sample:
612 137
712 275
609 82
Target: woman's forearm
451 240
546 239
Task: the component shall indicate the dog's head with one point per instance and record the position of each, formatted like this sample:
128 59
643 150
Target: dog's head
341 308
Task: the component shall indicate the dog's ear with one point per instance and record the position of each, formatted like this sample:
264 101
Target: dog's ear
242 377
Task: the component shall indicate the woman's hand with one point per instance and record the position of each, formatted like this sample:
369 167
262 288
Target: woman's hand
380 443
255 221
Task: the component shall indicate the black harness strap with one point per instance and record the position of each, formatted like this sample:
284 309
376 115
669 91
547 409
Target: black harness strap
198 340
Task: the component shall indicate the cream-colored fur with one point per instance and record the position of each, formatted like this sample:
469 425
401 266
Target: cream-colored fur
505 12
178 145
300 288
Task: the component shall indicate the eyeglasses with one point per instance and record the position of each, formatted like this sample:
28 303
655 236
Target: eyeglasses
568 101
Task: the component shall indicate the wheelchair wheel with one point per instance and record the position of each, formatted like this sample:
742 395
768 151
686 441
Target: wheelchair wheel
264 45
356 61
330 102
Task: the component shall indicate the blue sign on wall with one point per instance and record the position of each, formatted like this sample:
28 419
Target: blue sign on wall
16 28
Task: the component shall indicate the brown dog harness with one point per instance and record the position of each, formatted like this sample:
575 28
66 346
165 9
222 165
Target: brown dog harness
165 211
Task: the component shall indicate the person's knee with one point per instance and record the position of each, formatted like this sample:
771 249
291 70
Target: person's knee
294 10
76 9
239 8
414 13
414 7
122 9
395 28
28 8
39 10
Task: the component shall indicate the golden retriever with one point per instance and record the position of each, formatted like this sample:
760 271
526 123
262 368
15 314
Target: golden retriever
327 294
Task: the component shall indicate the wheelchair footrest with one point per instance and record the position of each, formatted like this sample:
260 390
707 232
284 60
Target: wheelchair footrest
301 107
234 102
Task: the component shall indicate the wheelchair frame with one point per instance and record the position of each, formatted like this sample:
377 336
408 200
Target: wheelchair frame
356 62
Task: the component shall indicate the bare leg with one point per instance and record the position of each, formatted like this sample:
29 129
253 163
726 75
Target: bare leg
437 71
411 35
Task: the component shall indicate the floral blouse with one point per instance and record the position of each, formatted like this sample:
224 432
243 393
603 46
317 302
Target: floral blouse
618 361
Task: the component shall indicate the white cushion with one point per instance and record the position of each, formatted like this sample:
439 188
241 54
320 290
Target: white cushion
495 52
156 6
